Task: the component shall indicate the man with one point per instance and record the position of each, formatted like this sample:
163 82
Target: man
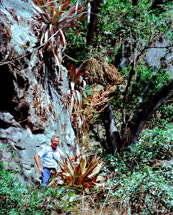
49 155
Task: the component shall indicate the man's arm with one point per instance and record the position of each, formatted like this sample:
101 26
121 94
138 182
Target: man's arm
36 158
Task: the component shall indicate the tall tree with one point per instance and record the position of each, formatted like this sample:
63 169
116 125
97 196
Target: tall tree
147 88
93 10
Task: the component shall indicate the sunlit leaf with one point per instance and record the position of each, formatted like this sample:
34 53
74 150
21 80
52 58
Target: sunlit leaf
96 170
79 173
83 164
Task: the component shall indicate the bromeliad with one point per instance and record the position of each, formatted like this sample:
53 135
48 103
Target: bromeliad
81 171
56 18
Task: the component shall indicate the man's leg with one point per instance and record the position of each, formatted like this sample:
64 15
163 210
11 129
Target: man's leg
45 177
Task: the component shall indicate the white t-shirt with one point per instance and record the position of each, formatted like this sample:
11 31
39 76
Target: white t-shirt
48 154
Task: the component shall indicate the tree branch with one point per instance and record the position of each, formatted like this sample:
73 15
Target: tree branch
147 110
149 83
114 141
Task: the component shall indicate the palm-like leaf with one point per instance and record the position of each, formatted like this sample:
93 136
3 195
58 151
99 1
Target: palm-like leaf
83 172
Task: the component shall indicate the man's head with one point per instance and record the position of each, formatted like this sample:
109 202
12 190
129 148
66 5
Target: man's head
55 142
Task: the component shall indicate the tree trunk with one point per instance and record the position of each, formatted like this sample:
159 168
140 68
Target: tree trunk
131 130
92 19
113 139
145 113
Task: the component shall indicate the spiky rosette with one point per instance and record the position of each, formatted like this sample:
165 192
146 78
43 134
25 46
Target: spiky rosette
81 172
55 19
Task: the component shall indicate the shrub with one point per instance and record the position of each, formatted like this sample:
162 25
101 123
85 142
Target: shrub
141 180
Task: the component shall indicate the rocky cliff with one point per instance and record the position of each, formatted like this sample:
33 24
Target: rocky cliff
32 92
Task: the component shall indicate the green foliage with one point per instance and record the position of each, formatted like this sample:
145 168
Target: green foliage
10 196
76 44
141 179
123 20
144 76
17 199
155 144
166 112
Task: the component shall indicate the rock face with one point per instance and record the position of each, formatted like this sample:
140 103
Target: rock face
33 107
154 55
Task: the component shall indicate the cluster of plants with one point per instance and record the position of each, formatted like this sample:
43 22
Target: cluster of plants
91 84
139 181
20 199
55 19
141 178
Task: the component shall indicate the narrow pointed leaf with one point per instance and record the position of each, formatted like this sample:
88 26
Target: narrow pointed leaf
62 34
39 3
101 179
88 185
57 12
64 6
96 170
51 8
71 105
42 8
83 165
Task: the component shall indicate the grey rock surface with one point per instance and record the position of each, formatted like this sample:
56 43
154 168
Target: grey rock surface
154 55
32 92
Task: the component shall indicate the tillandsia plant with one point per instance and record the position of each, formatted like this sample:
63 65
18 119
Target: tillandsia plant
96 102
76 85
77 81
80 171
56 19
76 73
104 78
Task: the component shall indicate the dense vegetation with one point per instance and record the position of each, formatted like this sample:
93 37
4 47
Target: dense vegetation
139 182
140 175
131 37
